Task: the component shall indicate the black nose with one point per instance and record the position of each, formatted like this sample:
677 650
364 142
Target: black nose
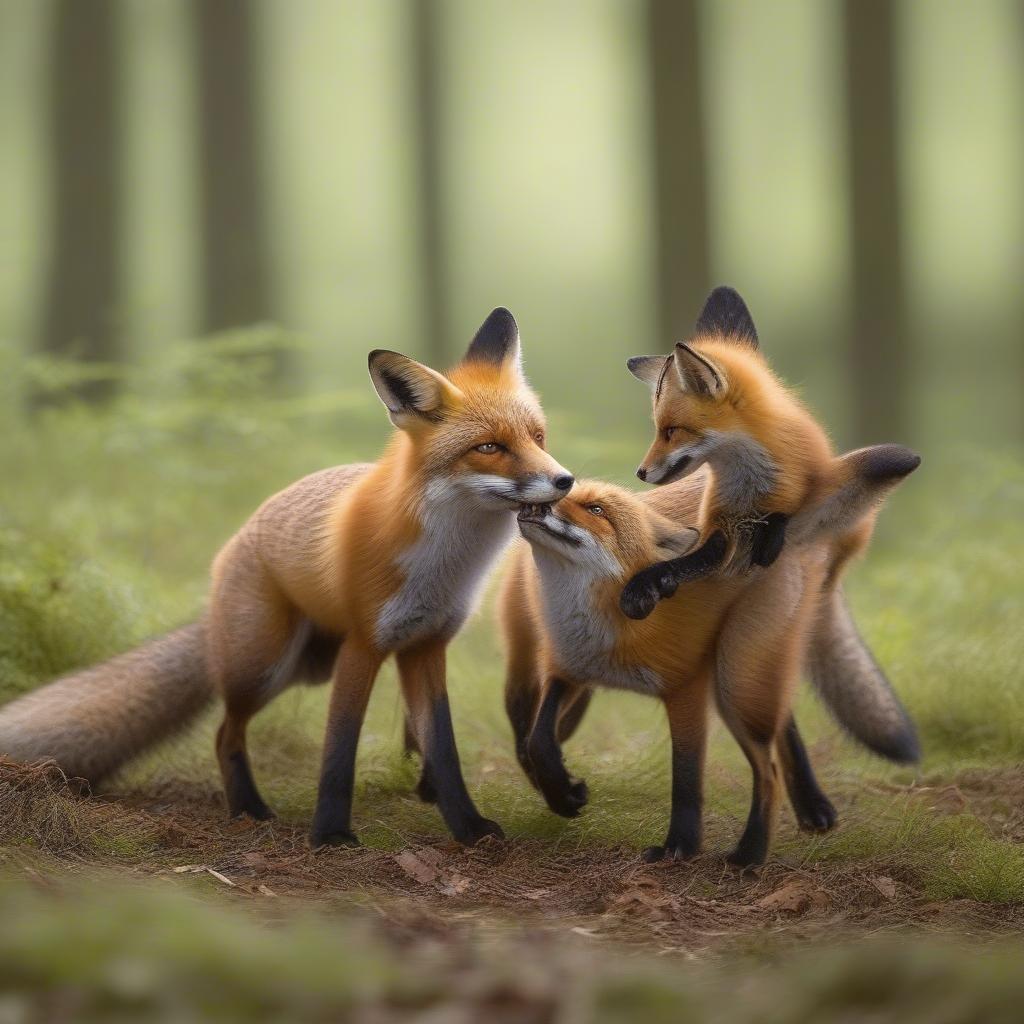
641 473
563 483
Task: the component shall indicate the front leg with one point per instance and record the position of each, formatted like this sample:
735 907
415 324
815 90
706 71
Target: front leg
564 795
662 579
768 538
355 670
687 721
422 674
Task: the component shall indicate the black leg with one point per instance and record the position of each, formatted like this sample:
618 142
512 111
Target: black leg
768 538
354 675
467 825
425 789
520 706
814 811
573 714
332 821
662 579
564 795
687 719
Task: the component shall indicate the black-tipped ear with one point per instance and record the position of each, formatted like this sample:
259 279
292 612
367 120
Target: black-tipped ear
497 340
407 388
650 369
725 315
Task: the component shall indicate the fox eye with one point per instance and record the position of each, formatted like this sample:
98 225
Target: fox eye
668 432
595 510
539 438
488 448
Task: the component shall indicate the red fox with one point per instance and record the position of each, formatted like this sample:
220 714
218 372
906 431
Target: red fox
328 578
742 638
717 402
745 638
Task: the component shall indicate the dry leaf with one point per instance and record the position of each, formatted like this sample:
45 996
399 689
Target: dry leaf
266 890
256 861
885 885
795 897
416 868
221 878
192 869
430 856
455 886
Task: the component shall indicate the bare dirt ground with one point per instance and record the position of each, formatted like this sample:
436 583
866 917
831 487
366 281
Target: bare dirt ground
179 835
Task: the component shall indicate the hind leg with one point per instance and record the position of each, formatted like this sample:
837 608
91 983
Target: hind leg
564 794
240 789
814 811
425 788
253 642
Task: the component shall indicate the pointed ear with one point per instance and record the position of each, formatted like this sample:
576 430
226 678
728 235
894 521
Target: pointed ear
497 341
649 369
697 373
861 481
409 389
725 315
673 540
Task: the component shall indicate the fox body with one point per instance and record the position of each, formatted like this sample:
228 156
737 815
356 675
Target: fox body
742 637
327 579
741 640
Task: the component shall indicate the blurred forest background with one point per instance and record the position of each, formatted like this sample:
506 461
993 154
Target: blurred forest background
370 173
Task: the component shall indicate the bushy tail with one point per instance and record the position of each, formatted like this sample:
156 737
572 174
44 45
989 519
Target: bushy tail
93 722
854 688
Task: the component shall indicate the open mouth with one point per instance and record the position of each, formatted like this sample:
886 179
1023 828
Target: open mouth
533 513
540 517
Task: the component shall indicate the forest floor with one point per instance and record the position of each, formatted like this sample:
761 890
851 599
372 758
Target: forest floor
143 900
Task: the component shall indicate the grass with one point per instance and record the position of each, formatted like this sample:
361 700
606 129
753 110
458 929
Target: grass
106 539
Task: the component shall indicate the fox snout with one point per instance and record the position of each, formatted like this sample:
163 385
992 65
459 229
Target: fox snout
541 488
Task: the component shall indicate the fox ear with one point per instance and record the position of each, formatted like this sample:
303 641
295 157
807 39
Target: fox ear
862 479
409 389
649 369
697 373
725 315
496 342
673 540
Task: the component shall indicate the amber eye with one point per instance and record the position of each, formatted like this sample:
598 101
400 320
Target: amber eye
595 510
539 438
668 432
489 448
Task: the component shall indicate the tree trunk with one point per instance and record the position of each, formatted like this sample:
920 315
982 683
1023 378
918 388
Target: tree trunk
680 186
427 66
878 350
235 263
80 313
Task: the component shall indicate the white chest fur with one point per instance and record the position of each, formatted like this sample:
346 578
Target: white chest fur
582 638
444 569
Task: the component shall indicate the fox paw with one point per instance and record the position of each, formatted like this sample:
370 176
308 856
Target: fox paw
817 815
679 852
569 800
474 831
321 840
644 591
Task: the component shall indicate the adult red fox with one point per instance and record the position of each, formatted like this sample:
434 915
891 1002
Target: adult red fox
740 638
329 577
743 637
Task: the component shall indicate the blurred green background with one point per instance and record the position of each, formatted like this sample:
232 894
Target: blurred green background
373 173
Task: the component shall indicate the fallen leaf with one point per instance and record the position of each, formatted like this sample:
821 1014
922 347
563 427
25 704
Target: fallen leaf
191 869
796 896
885 885
221 878
430 856
256 861
416 868
266 890
455 886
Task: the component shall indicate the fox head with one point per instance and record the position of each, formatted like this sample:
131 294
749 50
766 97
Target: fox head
478 428
713 391
604 531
